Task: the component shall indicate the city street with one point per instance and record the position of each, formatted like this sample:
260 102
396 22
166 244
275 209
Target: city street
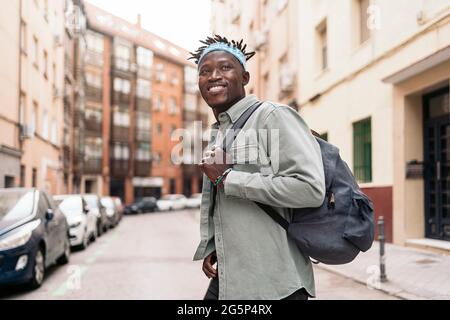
149 257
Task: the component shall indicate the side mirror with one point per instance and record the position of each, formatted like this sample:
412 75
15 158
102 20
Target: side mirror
86 209
49 215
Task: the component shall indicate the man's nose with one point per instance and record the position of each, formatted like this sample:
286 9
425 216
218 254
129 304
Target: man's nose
216 74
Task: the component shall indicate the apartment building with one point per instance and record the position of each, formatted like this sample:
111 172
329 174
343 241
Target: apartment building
134 103
372 77
41 79
10 143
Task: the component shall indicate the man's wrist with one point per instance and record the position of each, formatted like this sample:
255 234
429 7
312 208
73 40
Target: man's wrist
221 178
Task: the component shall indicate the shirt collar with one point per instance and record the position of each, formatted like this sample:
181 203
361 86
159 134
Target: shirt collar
235 112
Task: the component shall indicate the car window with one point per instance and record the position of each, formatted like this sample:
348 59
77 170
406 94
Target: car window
71 205
16 205
107 202
91 201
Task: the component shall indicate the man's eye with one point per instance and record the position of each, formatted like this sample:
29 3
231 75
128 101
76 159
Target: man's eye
204 72
226 67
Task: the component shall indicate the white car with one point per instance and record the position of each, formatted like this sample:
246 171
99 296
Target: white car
82 221
194 201
171 202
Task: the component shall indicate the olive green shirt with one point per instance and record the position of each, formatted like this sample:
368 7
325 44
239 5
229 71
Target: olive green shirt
280 165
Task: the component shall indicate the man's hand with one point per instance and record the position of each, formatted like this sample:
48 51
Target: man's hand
208 264
215 163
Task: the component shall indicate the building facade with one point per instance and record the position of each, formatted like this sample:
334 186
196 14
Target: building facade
134 104
372 77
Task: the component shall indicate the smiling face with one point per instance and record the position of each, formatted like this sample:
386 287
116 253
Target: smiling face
222 80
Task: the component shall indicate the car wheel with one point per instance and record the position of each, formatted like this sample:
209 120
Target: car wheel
38 269
85 242
64 259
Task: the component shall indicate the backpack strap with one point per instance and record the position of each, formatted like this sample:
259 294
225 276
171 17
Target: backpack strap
228 141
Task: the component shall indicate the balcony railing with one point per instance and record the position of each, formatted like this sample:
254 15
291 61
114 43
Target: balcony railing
94 94
142 168
143 135
93 166
93 127
144 104
120 134
94 58
121 98
119 168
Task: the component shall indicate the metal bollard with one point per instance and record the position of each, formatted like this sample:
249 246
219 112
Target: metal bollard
381 238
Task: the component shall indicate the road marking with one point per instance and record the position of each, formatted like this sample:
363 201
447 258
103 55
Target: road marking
68 284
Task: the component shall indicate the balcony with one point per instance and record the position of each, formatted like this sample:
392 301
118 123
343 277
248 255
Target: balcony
93 166
120 134
121 98
94 94
143 104
142 168
94 58
119 168
143 135
144 73
93 127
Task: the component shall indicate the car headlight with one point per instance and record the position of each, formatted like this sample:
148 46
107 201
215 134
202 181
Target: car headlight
20 237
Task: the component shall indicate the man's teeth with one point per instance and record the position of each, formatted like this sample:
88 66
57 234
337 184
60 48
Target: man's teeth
216 88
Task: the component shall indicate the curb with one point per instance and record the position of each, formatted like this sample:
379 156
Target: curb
387 288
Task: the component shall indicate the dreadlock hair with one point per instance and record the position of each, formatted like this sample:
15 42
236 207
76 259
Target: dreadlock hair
219 39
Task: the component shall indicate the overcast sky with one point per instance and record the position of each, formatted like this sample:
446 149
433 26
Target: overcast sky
182 22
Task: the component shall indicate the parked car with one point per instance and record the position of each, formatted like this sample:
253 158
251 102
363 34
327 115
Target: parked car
82 221
171 202
142 205
94 204
194 201
120 206
112 211
34 234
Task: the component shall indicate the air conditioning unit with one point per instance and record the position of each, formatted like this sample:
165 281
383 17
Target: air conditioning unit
57 93
26 132
287 81
57 40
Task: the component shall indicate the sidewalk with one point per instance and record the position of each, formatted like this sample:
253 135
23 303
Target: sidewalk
412 274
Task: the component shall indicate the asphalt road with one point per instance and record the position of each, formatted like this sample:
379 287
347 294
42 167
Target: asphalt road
149 257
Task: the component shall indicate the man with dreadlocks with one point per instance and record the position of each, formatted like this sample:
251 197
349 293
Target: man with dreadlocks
255 258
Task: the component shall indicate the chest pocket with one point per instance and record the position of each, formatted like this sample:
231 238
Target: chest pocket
245 157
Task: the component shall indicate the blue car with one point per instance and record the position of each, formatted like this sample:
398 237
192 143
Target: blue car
34 234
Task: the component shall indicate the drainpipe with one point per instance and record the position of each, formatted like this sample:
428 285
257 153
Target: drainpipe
20 75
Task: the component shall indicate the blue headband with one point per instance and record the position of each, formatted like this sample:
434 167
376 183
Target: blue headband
220 46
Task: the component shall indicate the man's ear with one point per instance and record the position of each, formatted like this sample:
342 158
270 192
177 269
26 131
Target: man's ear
245 78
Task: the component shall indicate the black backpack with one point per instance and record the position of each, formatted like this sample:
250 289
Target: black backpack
337 231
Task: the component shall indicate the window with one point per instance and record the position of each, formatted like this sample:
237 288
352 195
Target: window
54 74
54 133
22 109
174 79
22 176
323 45
143 121
160 74
121 117
121 151
143 89
94 41
363 18
45 124
173 108
34 178
157 158
93 113
143 152
122 85
190 102
45 64
144 58
34 117
122 57
94 80
159 128
173 186
172 129
93 148
46 10
35 52
23 36
159 103
362 150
